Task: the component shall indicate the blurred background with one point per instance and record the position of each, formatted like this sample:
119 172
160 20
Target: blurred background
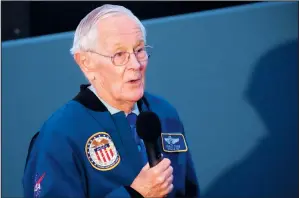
230 69
35 18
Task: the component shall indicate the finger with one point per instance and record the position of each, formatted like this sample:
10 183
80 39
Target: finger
161 167
170 188
169 180
161 179
167 190
168 172
146 167
164 186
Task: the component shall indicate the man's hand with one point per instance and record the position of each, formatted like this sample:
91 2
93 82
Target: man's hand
155 181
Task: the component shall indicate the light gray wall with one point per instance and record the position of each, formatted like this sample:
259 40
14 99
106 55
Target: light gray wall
231 73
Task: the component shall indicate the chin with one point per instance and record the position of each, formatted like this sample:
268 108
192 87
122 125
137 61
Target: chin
135 95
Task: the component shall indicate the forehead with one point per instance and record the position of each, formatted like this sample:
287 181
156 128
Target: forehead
119 30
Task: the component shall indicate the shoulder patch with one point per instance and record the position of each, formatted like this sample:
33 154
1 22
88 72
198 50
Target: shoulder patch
174 142
101 152
37 184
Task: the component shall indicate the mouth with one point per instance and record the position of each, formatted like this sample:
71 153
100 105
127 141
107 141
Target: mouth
136 81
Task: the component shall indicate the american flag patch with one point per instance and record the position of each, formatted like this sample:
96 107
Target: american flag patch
101 152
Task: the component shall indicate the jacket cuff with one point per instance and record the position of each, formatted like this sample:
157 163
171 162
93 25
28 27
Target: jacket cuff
133 193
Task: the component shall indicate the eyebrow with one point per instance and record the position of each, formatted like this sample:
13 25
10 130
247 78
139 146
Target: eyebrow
119 45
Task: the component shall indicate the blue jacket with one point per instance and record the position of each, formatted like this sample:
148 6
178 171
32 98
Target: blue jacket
84 151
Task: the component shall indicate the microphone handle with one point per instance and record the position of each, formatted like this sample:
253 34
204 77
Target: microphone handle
153 153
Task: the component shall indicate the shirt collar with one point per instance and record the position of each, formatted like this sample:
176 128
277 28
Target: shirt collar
110 108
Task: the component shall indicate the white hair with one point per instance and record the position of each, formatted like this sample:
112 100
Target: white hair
86 32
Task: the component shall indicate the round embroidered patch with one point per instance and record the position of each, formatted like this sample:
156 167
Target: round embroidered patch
101 152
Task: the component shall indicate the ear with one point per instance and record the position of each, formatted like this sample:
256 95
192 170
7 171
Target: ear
85 63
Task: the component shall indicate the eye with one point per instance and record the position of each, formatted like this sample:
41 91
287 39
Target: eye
140 49
120 54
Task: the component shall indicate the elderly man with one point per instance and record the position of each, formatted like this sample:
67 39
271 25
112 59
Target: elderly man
87 148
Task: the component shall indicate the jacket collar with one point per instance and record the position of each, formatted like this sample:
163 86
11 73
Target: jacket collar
110 108
88 99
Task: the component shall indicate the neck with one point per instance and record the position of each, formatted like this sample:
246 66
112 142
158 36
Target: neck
121 105
125 106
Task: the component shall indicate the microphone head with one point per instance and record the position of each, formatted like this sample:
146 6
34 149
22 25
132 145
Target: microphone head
148 126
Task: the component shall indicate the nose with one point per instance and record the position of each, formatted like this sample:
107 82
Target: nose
133 62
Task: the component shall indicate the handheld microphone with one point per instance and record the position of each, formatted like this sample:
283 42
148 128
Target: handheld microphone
149 129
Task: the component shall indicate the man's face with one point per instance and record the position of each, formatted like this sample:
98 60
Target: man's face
117 35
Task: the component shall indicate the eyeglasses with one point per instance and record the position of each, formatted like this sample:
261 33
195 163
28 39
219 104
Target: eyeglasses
122 58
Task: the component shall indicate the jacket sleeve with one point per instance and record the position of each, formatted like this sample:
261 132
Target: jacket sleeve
191 183
53 168
124 191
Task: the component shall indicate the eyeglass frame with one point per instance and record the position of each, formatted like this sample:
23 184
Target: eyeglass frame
128 59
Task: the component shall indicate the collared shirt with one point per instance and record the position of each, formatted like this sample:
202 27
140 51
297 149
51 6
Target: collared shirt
111 109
